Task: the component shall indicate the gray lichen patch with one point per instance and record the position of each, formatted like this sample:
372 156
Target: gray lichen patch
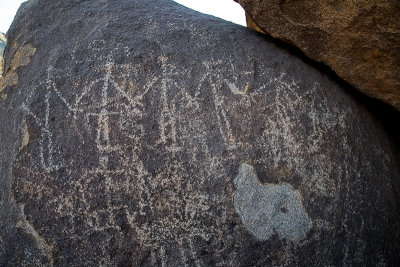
270 208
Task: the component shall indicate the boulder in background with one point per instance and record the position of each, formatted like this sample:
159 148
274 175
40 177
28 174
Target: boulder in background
359 40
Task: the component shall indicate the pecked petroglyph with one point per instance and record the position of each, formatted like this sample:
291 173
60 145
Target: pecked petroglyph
131 138
118 119
40 242
110 138
235 90
115 109
25 135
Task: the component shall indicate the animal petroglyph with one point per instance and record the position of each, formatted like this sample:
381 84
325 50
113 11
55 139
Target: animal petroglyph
269 209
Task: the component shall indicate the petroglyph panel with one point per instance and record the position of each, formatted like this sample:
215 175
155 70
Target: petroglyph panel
129 132
145 156
129 171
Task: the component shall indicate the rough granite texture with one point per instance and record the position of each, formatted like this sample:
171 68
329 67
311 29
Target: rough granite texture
358 39
137 132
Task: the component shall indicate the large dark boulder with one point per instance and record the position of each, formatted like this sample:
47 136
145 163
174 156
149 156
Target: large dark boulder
144 133
358 39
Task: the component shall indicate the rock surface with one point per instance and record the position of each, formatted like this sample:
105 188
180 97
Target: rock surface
141 132
358 39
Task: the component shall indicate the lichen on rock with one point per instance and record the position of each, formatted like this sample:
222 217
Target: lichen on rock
268 209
